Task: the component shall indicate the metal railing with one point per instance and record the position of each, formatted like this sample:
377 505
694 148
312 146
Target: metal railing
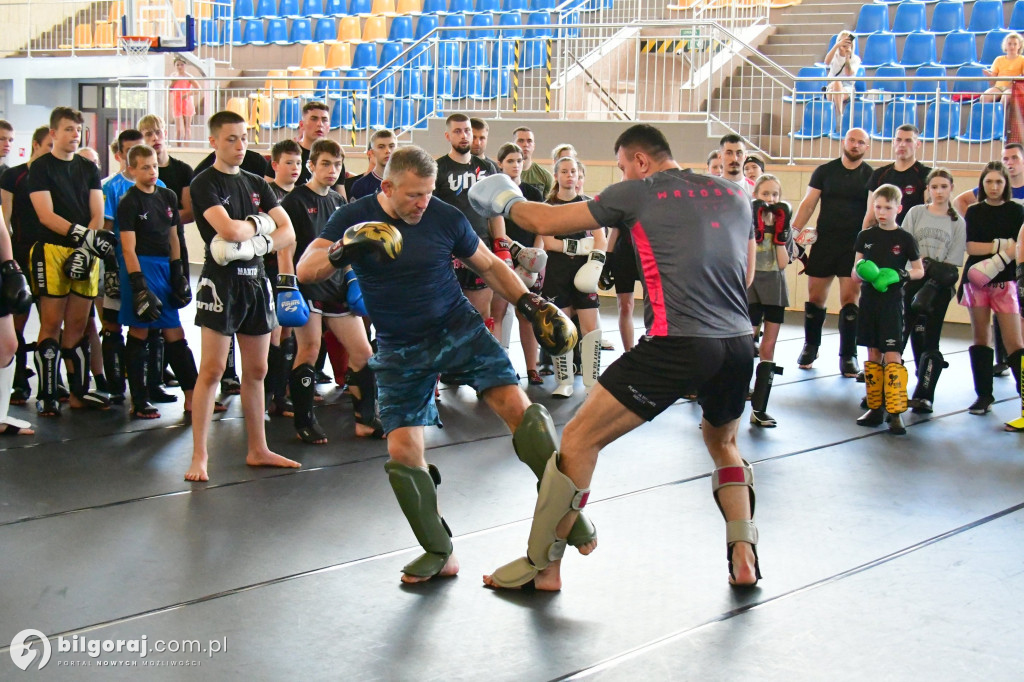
59 27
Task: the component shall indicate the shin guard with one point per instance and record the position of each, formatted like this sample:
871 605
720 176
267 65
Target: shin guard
564 374
534 441
928 371
155 365
229 364
303 388
981 367
556 497
21 365
416 491
275 362
764 376
737 530
183 363
76 360
1018 358
814 320
47 352
895 388
847 331
136 355
873 384
112 344
365 406
1013 362
289 347
6 383
590 358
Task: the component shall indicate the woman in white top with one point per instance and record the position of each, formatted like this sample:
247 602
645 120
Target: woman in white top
841 61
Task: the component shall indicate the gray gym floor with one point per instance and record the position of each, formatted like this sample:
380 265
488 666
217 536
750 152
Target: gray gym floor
883 557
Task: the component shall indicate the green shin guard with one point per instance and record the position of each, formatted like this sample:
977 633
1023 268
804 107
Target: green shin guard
557 496
534 442
416 491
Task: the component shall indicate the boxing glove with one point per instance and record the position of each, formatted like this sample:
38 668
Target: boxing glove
1007 246
759 208
78 265
500 247
181 291
783 217
590 272
806 236
381 241
147 306
112 284
555 332
607 279
17 296
530 258
97 242
263 223
495 195
983 272
578 247
888 277
354 294
292 310
866 270
528 278
223 252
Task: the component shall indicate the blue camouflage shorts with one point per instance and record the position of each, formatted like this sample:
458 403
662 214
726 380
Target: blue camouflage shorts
407 373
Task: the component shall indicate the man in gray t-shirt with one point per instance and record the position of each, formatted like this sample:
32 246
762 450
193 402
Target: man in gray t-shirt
695 254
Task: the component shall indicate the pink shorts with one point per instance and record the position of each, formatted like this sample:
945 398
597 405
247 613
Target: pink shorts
1000 297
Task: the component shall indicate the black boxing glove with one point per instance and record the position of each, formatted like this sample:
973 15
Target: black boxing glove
78 265
147 306
99 243
181 290
14 288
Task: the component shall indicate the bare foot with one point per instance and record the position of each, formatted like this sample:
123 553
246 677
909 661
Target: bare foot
366 431
450 568
743 574
197 471
270 459
13 430
548 580
587 548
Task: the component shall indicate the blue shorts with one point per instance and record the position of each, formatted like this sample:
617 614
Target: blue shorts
157 271
407 373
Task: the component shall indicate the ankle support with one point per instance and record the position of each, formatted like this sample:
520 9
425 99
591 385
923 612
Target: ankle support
416 491
735 475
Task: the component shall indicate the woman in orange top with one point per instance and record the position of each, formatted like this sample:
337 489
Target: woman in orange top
1009 64
183 104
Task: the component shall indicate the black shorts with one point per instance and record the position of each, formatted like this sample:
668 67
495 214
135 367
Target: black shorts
468 279
661 369
880 322
624 267
235 299
830 259
559 287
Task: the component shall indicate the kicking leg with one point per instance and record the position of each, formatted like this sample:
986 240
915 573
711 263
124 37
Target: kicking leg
733 487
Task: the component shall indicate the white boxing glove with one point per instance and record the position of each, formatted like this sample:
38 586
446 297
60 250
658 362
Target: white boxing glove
590 272
531 259
806 236
223 252
529 278
495 195
578 247
983 272
263 223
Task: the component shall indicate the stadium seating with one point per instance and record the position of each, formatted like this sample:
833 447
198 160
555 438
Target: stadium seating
969 88
244 9
919 50
301 31
289 113
808 90
326 29
819 120
401 29
364 56
910 18
389 52
891 89
941 121
948 17
879 50
402 115
858 114
871 19
342 114
894 115
1017 17
984 123
959 49
410 84
925 91
277 31
986 15
314 9
992 47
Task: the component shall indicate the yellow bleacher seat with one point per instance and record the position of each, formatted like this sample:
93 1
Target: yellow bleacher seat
104 35
348 29
375 28
408 7
339 56
301 85
115 12
275 84
313 56
83 36
240 106
262 112
382 8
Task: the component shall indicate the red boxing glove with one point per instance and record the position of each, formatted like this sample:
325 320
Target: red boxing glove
759 228
501 247
782 220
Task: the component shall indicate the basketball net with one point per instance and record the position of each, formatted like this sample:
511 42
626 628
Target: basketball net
136 49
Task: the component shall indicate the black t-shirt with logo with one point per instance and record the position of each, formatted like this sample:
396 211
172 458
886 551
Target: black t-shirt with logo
452 187
912 182
177 175
254 163
886 249
70 184
151 217
309 213
241 195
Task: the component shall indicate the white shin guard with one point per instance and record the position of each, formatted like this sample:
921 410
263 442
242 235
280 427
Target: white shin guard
590 358
6 384
564 374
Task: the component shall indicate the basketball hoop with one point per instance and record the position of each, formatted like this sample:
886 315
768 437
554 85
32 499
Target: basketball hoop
136 47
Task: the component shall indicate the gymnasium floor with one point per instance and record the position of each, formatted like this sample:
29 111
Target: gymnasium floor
883 557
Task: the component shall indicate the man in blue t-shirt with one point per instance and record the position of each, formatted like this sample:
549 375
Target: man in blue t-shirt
400 243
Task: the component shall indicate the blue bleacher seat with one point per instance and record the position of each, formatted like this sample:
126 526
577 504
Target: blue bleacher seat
503 53
266 9
326 29
289 112
542 5
992 47
424 25
474 55
439 84
364 56
425 110
894 115
277 31
1017 17
341 114
858 114
469 85
872 19
410 84
533 52
818 121
359 6
456 22
879 50
482 21
402 114
383 83
966 89
335 8
941 121
570 24
488 5
209 32
460 7
244 9
948 17
222 9
327 85
958 49
355 83
888 2
390 51
984 123
448 53
288 8
808 90
301 31
919 50
925 91
313 9
910 17
509 19
435 6
499 83
515 5
401 29
860 86
233 32
986 15
253 33
891 88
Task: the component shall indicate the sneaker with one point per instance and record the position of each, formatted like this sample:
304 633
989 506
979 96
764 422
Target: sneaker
607 345
982 405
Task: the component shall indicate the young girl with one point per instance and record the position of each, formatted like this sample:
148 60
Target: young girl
183 103
941 236
987 286
768 296
567 283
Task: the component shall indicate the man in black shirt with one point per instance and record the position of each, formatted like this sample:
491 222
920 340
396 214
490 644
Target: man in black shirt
316 122
252 162
478 147
174 173
841 186
240 220
906 172
382 143
68 205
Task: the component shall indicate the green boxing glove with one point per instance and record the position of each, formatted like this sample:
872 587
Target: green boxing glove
888 277
867 270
